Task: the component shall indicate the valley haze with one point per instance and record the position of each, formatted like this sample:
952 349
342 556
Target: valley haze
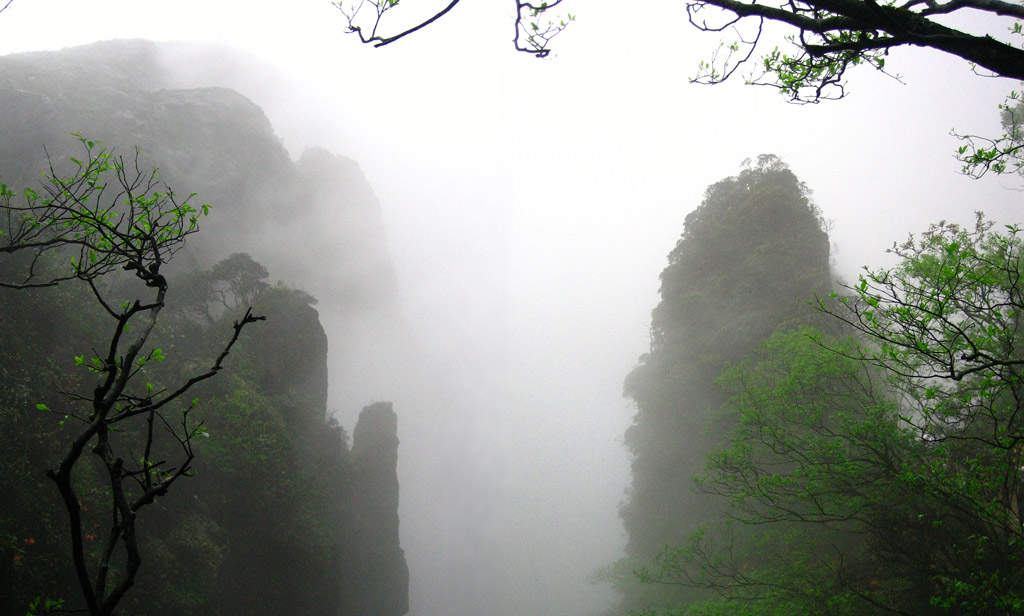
527 208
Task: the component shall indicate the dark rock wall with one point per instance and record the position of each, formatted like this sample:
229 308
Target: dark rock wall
380 576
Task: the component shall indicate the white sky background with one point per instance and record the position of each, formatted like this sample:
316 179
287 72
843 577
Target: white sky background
529 207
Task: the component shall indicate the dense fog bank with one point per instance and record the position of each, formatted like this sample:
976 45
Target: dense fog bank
527 208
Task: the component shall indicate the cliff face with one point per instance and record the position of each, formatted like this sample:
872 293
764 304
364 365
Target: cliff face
281 517
313 222
380 574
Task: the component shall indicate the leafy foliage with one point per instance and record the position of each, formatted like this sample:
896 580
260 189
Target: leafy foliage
878 472
135 228
947 323
112 214
1002 155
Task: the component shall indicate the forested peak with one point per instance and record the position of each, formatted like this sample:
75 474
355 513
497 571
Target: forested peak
275 519
751 259
765 195
750 228
756 237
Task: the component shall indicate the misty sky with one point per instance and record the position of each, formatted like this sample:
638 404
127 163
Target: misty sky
529 207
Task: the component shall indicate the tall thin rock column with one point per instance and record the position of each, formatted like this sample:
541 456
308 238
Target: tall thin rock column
380 580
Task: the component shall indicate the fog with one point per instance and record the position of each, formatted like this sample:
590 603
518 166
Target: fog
529 206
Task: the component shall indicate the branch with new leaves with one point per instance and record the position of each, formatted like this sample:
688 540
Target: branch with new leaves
108 219
827 37
833 36
1001 155
108 214
947 323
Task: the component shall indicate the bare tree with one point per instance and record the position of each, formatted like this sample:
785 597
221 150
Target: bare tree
106 217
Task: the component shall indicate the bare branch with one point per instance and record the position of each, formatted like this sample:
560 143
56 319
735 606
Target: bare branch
382 7
531 36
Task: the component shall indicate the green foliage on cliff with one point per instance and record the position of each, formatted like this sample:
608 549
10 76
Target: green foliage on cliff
265 526
864 459
749 260
260 525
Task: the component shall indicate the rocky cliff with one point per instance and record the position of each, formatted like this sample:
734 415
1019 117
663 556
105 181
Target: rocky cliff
313 221
380 568
281 517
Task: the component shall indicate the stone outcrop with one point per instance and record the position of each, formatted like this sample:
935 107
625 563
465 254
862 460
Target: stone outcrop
380 576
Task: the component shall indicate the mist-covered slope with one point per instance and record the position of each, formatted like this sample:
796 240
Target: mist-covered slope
211 141
274 521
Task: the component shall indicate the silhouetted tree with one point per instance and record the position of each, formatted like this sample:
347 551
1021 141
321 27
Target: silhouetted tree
232 283
108 220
